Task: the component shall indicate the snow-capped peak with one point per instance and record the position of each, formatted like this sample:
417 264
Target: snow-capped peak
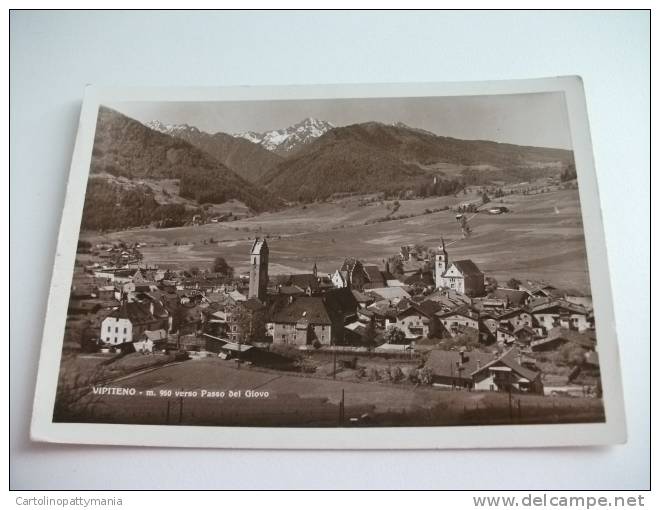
170 129
287 139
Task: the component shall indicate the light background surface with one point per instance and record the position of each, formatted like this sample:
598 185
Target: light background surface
53 55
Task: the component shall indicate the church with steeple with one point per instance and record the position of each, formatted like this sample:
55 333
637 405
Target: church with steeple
463 276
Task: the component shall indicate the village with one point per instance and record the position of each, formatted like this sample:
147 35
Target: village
420 319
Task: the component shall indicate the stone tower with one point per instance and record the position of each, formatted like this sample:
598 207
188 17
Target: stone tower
258 269
441 264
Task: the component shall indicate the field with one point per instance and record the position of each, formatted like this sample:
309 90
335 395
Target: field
294 400
541 238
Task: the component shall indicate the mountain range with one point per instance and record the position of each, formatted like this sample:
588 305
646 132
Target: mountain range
373 156
247 159
307 161
123 147
288 141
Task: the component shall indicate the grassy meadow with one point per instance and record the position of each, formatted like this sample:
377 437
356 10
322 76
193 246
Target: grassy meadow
541 238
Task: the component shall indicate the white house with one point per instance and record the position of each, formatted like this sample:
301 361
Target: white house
128 321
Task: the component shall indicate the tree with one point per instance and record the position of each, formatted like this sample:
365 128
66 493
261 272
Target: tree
396 265
569 173
370 334
490 284
485 198
221 266
251 324
513 283
572 354
394 335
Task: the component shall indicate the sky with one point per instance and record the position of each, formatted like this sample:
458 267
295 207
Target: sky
538 119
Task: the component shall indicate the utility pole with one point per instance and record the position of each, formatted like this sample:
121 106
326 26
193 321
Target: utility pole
510 404
341 409
334 360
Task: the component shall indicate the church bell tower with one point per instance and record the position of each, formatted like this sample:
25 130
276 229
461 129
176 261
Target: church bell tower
441 264
258 270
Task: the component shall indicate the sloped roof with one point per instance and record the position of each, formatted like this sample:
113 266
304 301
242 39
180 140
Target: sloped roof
133 311
311 308
430 307
341 302
464 311
467 267
253 304
557 303
423 277
585 339
159 334
390 292
303 281
515 297
361 297
447 363
350 264
509 359
374 274
506 314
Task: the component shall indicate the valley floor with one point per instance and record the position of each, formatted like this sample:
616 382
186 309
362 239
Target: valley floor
541 238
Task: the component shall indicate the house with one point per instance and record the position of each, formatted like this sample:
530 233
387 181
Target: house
301 321
421 279
516 318
540 290
408 253
149 340
382 313
557 312
524 335
363 300
351 274
355 275
454 321
309 283
455 368
415 320
508 373
513 298
105 291
558 337
342 307
492 304
375 278
128 321
463 276
505 335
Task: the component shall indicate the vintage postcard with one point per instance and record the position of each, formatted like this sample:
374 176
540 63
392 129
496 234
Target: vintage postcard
355 266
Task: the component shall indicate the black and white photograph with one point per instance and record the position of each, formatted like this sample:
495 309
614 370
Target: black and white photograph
330 249
331 263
